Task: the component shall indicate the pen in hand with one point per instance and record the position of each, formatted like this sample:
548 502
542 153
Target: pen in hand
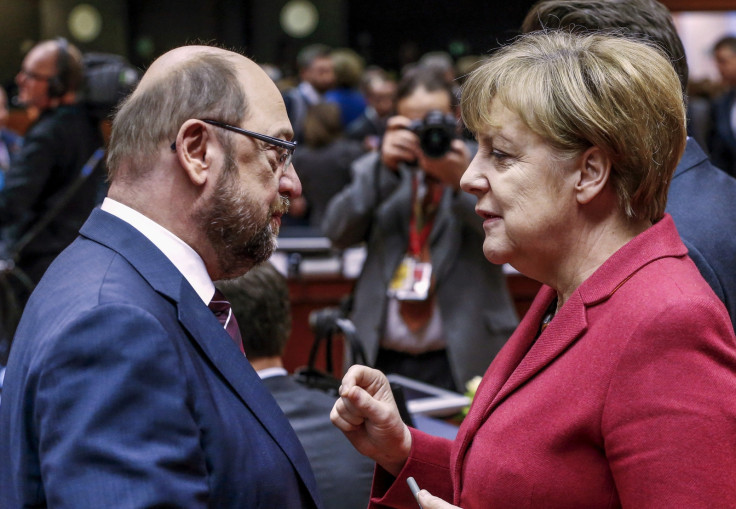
414 487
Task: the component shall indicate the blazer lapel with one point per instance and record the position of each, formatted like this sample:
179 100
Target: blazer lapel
394 215
234 367
691 157
445 239
205 329
522 357
562 331
498 375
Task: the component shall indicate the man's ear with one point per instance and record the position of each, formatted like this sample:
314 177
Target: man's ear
194 150
594 172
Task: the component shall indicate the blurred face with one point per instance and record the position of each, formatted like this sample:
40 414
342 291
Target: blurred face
3 108
524 194
243 215
382 97
726 62
38 67
321 74
421 101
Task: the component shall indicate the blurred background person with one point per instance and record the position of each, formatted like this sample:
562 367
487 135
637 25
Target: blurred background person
260 302
57 145
701 197
426 305
323 160
346 93
616 390
316 76
442 63
380 94
10 141
129 361
722 141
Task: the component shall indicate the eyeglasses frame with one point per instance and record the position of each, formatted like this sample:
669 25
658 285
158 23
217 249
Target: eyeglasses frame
35 76
290 146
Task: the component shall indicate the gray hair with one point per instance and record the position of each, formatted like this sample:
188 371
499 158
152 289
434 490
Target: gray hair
205 86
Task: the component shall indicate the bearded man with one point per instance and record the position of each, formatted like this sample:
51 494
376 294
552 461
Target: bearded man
123 389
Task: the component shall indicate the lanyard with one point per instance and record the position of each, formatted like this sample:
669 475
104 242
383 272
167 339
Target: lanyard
423 213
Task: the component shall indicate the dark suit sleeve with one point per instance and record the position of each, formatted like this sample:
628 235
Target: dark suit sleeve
669 422
26 177
112 416
709 274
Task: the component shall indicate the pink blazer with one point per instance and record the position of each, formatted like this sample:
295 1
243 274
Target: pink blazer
627 399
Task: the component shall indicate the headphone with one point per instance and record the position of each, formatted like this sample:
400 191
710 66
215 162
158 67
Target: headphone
58 85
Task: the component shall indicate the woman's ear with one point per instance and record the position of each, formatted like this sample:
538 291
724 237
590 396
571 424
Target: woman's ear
193 149
594 173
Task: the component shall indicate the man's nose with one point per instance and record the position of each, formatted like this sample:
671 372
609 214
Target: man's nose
289 184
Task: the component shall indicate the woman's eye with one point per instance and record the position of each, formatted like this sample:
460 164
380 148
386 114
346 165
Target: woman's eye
502 158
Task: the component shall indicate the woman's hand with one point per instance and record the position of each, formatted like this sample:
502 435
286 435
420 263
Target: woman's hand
429 501
366 412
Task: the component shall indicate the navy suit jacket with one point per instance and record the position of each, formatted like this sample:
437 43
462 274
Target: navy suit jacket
702 201
343 475
721 139
123 390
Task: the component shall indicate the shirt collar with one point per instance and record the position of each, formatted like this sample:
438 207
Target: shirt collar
271 372
184 258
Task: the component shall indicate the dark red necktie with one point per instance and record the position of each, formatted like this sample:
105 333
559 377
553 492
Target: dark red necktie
224 313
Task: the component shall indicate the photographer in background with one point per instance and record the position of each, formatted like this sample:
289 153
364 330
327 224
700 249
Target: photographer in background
427 305
57 145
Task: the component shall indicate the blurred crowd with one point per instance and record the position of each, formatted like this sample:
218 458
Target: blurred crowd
563 155
339 106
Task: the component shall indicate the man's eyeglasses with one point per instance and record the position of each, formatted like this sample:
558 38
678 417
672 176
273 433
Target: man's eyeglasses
288 146
35 76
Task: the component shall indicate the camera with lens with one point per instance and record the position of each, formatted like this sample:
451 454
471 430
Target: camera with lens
436 132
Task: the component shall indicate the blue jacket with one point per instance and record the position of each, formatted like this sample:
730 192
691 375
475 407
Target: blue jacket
702 201
123 390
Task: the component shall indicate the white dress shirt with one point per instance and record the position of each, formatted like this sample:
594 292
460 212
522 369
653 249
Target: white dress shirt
184 258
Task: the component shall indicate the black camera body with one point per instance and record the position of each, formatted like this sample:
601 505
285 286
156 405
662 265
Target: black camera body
436 132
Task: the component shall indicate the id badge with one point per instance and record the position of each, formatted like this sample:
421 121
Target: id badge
411 280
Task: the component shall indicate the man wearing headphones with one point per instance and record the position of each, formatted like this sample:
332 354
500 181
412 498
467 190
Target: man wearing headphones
58 143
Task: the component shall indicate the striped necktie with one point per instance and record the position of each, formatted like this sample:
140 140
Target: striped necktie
220 306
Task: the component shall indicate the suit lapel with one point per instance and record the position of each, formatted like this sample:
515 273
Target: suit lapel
445 238
205 329
691 157
522 357
498 375
394 215
563 330
234 367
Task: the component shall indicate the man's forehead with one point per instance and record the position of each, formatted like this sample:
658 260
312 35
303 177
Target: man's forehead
43 54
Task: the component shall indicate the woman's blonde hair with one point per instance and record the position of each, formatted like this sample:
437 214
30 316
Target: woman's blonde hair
578 91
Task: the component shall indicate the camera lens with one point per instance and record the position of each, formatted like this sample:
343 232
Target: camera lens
435 142
436 133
